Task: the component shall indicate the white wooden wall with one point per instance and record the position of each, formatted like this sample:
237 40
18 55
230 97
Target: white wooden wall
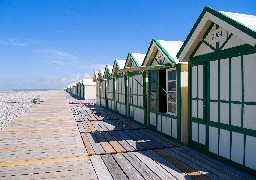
241 112
136 98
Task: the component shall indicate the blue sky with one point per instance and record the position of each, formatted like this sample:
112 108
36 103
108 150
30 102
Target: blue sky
49 43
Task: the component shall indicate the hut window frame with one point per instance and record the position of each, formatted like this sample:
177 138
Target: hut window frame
171 89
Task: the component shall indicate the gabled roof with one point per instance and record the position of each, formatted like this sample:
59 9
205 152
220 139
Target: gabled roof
169 48
108 71
119 63
241 25
100 74
137 58
95 76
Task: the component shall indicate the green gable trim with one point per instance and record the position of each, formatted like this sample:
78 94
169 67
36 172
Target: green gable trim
134 60
159 47
221 16
164 51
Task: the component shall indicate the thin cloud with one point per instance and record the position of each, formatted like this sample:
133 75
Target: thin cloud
59 54
14 42
60 63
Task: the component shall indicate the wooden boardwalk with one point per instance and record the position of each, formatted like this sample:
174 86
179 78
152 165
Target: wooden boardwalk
78 141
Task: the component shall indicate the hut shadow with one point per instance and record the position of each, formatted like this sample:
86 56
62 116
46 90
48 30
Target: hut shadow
147 146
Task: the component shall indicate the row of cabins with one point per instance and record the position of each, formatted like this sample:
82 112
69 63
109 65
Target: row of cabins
201 92
83 89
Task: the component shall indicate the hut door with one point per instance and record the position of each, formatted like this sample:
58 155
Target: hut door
198 110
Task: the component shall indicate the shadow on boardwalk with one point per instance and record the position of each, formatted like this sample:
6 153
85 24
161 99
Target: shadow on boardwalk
123 149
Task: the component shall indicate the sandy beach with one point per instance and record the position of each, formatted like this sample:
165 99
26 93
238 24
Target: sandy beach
14 103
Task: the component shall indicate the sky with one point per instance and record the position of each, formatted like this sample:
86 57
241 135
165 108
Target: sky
49 44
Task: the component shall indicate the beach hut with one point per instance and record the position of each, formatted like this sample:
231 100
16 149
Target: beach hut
97 81
221 53
110 86
166 89
136 106
74 89
102 88
120 87
89 89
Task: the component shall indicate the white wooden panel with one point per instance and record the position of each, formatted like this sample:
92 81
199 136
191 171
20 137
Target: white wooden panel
194 81
200 82
169 126
250 116
153 119
142 116
214 111
237 147
213 140
224 79
164 125
236 79
174 128
213 80
159 122
249 75
224 144
195 132
250 149
224 113
236 110
194 108
202 134
200 109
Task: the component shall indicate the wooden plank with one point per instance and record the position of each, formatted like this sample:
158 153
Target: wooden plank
102 125
86 127
148 140
97 126
211 172
95 144
129 140
87 144
80 127
166 165
153 165
43 161
152 141
158 138
104 143
113 167
204 159
141 167
90 125
180 165
113 142
100 168
121 141
127 167
139 140
138 144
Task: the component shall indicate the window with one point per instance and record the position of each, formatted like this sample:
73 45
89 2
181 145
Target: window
171 90
153 89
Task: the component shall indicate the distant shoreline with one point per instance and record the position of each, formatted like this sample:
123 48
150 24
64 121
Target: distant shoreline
26 90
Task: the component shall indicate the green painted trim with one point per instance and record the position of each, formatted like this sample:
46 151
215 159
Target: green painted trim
151 43
210 46
228 38
226 53
221 16
159 46
242 74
